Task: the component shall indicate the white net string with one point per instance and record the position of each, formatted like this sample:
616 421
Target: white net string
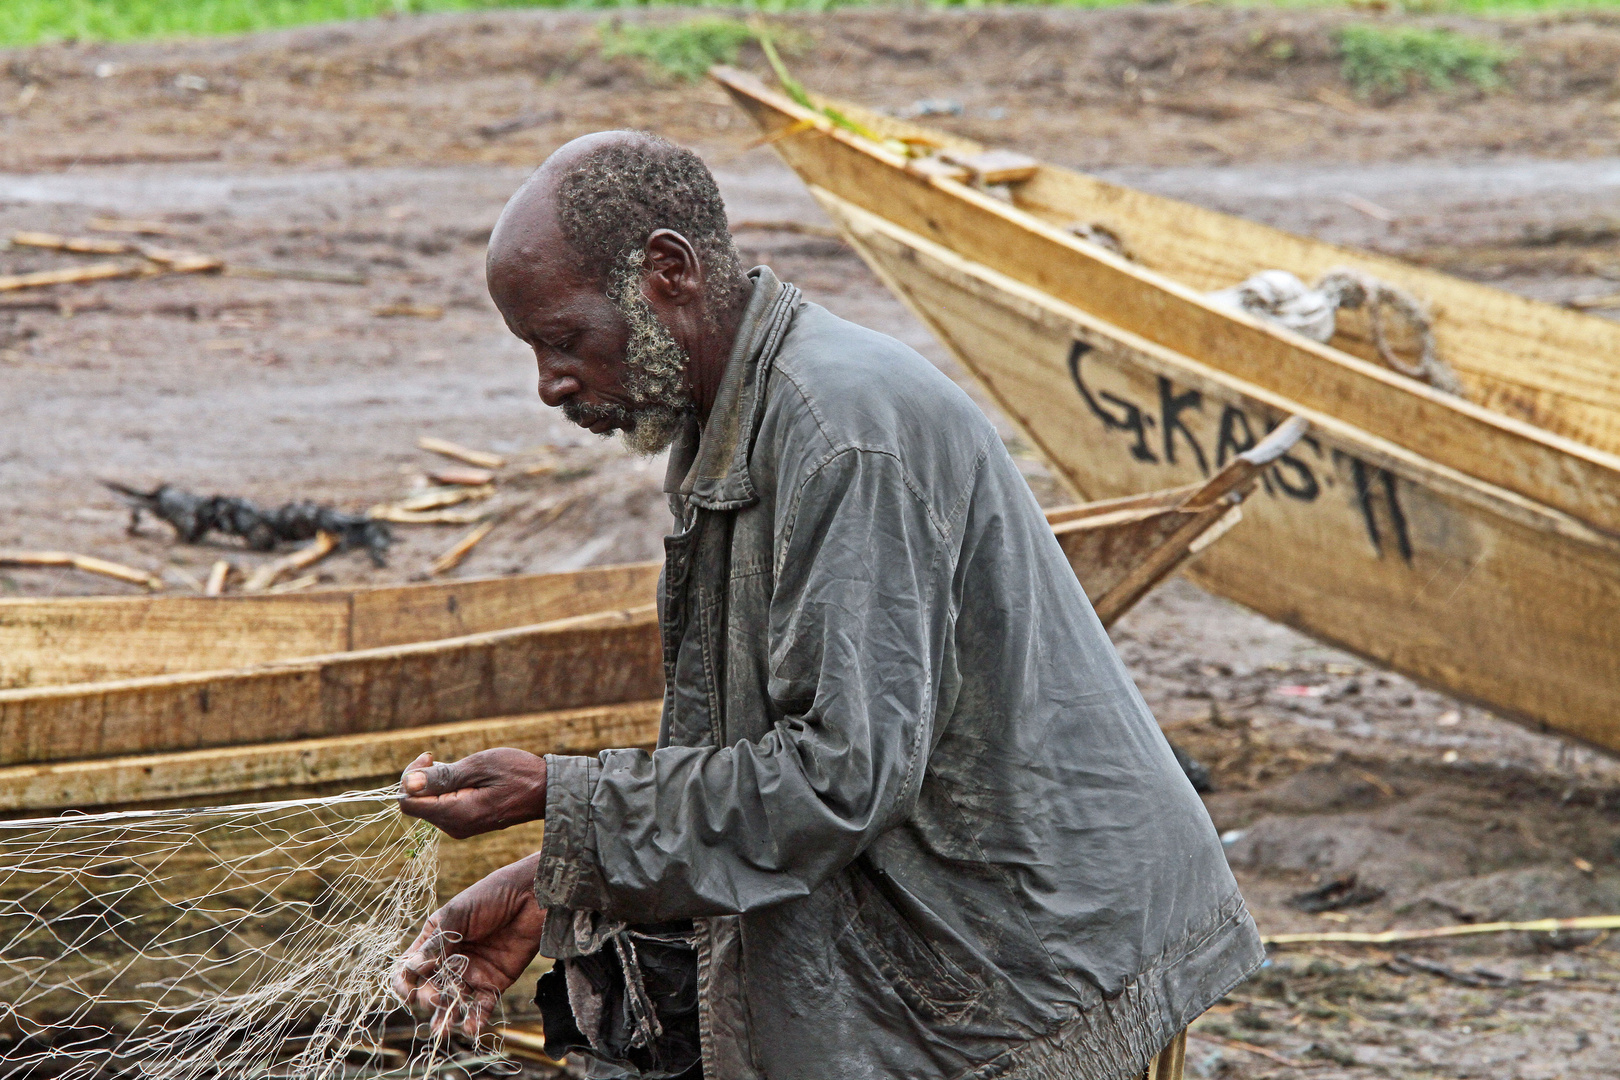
193 944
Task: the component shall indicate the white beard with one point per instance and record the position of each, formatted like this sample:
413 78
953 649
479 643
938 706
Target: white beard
655 374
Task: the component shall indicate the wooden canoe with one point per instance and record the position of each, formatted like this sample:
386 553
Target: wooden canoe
579 682
586 681
52 642
1471 543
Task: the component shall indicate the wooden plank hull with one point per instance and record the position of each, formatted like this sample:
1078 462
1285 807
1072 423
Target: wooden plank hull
1355 540
283 770
353 719
55 642
46 642
353 715
572 663
1580 477
350 760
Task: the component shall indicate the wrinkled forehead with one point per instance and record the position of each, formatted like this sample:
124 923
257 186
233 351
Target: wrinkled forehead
540 296
530 264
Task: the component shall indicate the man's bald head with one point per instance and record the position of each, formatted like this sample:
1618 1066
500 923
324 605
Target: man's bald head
604 194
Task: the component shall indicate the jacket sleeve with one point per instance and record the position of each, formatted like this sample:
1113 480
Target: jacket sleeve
859 626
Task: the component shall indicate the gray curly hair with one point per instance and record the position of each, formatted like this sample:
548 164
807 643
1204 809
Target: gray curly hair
617 195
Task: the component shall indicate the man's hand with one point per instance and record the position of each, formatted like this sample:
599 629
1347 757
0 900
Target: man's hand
489 790
472 949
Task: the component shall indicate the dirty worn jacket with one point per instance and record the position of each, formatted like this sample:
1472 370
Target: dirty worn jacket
921 817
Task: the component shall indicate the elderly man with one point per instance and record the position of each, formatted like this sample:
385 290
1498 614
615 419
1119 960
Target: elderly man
908 816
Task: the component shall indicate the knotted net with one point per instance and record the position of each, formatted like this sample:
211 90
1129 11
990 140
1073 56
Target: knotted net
192 944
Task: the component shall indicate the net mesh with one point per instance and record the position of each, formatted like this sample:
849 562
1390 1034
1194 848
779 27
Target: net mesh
239 941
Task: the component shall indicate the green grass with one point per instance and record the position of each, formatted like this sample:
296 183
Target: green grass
1394 59
1440 7
685 50
26 22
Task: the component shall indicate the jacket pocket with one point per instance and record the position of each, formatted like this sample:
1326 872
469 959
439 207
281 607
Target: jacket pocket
929 982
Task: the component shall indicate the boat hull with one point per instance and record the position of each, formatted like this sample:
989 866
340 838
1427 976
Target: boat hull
1577 473
1460 585
271 772
316 725
52 642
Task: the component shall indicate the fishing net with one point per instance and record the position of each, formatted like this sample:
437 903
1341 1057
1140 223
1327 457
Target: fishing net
193 944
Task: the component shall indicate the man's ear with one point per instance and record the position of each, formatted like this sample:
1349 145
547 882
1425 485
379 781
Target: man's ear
673 269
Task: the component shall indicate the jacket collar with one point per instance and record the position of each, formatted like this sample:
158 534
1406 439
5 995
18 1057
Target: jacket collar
710 466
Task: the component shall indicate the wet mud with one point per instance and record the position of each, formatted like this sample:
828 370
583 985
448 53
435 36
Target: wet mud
375 158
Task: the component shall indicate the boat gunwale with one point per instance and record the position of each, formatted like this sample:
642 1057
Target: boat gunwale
1032 196
1060 315
599 620
19 783
331 594
744 85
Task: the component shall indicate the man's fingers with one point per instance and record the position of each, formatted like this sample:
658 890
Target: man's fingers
414 972
422 761
477 1013
467 1012
433 779
448 1014
419 998
402 986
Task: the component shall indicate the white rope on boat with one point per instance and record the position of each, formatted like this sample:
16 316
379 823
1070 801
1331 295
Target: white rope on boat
1279 297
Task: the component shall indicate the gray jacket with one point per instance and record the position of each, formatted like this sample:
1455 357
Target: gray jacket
922 818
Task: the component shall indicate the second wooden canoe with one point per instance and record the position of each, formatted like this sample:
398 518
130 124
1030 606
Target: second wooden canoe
1461 547
1541 416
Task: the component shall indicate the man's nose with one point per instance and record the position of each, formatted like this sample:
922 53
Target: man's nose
557 386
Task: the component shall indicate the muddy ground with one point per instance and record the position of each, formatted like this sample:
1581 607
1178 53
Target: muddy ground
382 153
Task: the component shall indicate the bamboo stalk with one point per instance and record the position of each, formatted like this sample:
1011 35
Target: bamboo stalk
179 262
297 584
84 245
265 576
401 516
480 458
412 311
435 498
182 262
459 551
525 1041
72 276
127 225
217 576
89 564
1534 926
